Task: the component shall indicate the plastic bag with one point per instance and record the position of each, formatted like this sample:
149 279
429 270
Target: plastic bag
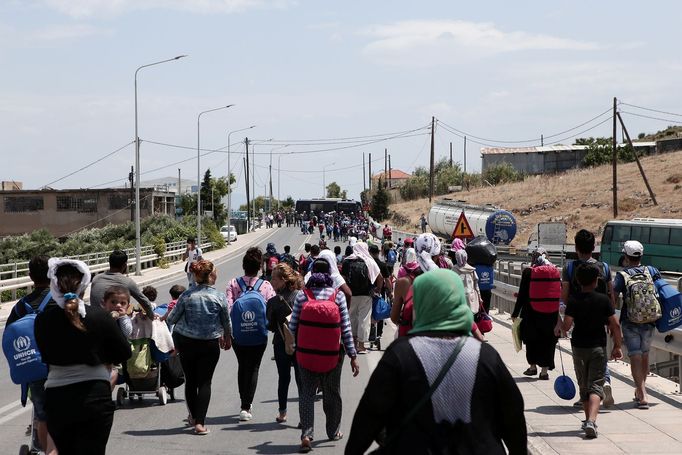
481 251
141 360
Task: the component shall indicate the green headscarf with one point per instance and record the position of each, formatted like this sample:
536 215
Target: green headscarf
440 303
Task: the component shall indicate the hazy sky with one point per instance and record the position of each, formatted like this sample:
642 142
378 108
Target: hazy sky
305 70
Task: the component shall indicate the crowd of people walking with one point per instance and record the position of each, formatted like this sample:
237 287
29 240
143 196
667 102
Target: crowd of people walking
322 308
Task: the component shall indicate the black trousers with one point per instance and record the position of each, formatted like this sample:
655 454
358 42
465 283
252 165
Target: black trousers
284 363
199 359
248 359
79 417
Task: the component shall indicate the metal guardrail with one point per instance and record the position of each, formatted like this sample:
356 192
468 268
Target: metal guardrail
508 278
15 276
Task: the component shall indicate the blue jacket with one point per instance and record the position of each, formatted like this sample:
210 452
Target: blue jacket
201 313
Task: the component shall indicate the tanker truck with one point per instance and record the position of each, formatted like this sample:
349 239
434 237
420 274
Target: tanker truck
498 225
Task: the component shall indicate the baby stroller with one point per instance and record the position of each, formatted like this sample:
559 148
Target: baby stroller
143 373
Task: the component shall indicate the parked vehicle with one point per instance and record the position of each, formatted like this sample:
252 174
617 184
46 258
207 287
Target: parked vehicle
229 233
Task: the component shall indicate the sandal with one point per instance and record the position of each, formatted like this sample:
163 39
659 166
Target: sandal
642 405
280 419
337 437
305 446
203 432
544 376
531 372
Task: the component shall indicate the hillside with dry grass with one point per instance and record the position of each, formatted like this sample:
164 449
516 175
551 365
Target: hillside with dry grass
580 198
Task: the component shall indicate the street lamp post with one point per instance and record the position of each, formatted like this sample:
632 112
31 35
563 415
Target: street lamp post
199 168
324 183
138 245
229 185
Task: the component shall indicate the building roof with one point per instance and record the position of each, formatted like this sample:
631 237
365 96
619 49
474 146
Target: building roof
548 148
396 174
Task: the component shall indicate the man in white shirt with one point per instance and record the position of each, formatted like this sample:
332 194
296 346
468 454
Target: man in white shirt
192 255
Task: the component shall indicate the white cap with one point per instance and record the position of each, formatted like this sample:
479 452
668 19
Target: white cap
633 248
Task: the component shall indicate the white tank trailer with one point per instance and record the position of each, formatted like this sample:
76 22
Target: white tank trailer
498 225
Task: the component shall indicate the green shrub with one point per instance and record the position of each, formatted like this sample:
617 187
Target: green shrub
501 173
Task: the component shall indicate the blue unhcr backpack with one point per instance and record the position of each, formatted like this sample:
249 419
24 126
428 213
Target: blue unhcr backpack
249 324
20 347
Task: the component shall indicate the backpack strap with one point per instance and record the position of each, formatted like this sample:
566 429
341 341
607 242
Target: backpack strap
569 270
607 271
242 284
44 303
22 302
308 293
258 284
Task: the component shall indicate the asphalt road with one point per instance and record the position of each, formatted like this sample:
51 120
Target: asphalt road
147 427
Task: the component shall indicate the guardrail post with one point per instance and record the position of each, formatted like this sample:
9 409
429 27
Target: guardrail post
14 275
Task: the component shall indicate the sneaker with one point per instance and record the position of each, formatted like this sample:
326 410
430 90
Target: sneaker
590 429
583 424
608 395
245 416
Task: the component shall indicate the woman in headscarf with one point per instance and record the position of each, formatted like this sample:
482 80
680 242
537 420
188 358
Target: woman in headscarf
321 284
469 278
337 280
476 409
537 328
362 273
426 247
78 342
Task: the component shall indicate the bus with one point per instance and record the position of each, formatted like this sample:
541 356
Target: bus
661 238
327 205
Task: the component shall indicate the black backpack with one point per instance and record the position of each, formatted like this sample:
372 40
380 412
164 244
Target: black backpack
357 274
602 284
289 260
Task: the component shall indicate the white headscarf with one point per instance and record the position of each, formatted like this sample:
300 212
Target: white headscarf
426 246
361 251
329 256
52 265
410 255
352 241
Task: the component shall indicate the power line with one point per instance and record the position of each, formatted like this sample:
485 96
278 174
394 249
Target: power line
652 118
336 140
469 136
90 164
652 110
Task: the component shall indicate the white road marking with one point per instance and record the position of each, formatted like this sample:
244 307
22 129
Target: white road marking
10 406
14 414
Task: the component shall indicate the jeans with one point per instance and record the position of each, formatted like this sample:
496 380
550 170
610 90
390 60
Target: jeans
248 359
199 359
284 363
637 337
79 417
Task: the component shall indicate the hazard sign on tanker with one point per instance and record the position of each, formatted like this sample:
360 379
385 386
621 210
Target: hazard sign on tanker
462 229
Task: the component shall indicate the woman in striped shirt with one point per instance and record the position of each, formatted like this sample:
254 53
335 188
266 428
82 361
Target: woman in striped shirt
321 285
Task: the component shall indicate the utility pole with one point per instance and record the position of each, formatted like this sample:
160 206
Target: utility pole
390 172
431 179
450 154
253 179
364 180
270 180
132 193
369 163
614 159
542 140
639 164
385 167
246 180
179 184
464 172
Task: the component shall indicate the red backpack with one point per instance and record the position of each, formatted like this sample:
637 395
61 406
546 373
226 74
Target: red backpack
272 262
407 314
319 334
545 289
